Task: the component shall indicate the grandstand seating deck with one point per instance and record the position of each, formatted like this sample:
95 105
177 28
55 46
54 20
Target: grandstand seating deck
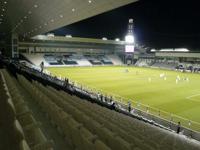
115 59
10 134
36 59
61 60
166 65
85 125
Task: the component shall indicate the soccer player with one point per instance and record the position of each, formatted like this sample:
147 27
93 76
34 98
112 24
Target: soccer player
176 81
126 70
149 79
178 77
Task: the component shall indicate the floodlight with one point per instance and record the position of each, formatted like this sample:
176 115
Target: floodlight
153 50
117 39
129 39
130 20
68 36
50 34
40 36
166 50
181 50
104 38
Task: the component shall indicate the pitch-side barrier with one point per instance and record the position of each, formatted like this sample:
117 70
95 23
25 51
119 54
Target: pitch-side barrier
140 111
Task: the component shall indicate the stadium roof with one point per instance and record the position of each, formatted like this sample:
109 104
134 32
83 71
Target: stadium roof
39 16
77 39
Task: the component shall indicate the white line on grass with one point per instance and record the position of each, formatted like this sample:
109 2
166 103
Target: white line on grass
189 97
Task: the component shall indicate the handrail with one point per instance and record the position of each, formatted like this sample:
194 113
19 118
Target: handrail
166 120
168 117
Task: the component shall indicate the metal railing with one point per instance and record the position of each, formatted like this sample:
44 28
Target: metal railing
157 116
136 105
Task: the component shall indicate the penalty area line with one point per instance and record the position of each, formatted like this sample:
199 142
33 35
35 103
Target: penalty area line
192 96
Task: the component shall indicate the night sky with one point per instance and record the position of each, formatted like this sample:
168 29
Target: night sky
157 24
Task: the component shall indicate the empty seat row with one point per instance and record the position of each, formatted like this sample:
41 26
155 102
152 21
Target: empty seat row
76 135
11 134
86 116
146 136
84 123
91 123
32 134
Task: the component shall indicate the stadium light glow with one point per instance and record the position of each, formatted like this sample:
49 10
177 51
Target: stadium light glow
50 35
41 37
166 50
129 39
175 50
181 50
104 38
117 39
153 50
68 36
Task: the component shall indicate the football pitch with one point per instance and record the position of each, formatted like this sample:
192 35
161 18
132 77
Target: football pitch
169 91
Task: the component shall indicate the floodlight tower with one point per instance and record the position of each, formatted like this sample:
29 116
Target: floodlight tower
129 46
129 37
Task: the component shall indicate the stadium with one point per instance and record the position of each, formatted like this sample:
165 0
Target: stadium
64 92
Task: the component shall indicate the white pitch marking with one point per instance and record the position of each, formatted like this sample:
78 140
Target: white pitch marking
192 96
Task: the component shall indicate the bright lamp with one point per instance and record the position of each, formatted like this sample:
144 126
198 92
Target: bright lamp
129 39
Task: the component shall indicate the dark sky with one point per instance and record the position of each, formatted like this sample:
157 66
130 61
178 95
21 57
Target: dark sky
157 23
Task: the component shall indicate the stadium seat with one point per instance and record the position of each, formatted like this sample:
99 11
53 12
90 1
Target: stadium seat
100 146
24 145
19 129
26 119
27 126
86 125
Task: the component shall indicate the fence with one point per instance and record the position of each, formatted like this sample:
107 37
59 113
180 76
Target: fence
166 119
142 108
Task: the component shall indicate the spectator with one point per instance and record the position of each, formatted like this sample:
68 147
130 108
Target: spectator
106 98
178 128
111 99
66 82
113 105
42 66
101 97
129 106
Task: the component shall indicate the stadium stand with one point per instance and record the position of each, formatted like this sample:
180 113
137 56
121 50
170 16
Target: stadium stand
157 63
105 60
87 125
11 135
72 59
76 135
35 59
143 62
69 62
25 122
53 59
115 59
191 67
165 65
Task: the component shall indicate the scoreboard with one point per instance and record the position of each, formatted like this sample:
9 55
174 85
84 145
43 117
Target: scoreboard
129 48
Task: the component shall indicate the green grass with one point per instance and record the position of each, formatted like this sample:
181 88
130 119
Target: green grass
182 99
